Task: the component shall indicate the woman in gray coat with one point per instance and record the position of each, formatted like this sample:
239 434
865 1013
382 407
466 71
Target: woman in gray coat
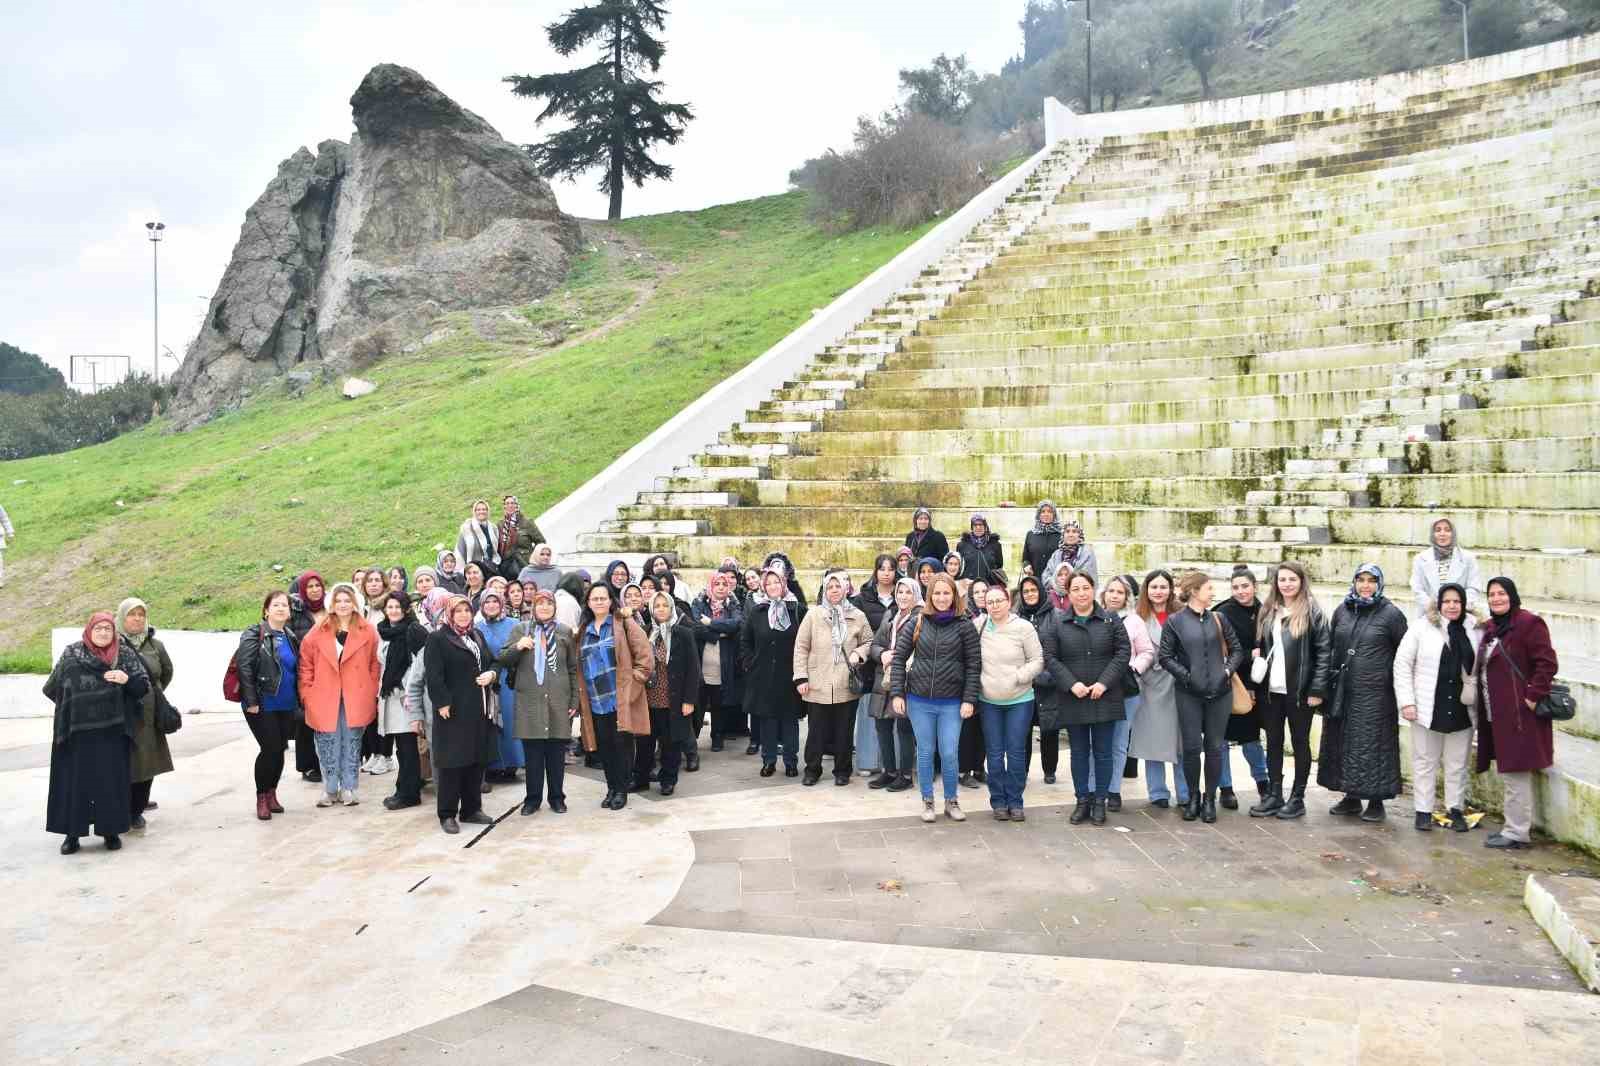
542 656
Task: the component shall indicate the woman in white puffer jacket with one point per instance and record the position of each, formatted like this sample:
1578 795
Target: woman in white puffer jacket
1432 674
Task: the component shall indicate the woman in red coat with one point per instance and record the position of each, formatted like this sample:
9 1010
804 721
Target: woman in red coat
1515 670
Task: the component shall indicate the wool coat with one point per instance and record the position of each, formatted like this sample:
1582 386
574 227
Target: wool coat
1155 734
814 661
543 709
328 675
767 658
151 753
1360 752
1513 669
451 674
634 667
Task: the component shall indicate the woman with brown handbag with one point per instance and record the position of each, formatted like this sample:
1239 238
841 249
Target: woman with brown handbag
1203 654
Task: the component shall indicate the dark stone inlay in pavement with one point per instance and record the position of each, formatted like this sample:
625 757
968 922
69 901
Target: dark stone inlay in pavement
1317 895
546 1025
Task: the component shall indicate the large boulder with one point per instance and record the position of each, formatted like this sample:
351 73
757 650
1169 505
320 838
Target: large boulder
351 251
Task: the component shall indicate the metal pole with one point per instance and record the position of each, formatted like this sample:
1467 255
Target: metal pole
1466 48
155 306
1088 49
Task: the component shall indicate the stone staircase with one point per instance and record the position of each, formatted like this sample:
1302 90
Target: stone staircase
1293 338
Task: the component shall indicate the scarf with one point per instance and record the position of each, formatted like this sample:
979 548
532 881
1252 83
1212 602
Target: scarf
943 618
977 516
836 615
1442 555
441 571
715 607
450 616
397 660
1022 608
544 649
777 610
1069 552
1502 622
129 604
1059 600
1354 601
107 654
300 588
1046 527
507 541
433 605
1457 657
918 535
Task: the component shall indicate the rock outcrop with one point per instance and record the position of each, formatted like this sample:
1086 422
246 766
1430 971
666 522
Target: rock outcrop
350 251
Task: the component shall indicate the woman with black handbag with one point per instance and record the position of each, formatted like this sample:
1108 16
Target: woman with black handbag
829 647
1515 672
1360 753
151 755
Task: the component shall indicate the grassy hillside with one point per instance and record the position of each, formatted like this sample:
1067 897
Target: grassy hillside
532 400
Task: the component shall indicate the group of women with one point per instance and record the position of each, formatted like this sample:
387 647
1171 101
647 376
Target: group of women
465 676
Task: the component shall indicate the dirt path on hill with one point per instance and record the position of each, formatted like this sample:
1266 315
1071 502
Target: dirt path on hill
618 246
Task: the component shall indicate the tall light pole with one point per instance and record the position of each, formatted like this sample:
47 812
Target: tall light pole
1088 54
1466 46
154 229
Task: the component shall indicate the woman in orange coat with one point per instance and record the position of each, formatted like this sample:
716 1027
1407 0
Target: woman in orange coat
339 675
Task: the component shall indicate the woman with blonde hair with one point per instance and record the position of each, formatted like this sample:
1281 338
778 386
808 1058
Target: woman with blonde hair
1202 653
935 677
339 681
1290 668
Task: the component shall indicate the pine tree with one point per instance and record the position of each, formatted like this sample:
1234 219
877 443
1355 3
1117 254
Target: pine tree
614 111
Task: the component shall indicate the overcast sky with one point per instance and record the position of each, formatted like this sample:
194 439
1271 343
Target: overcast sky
116 114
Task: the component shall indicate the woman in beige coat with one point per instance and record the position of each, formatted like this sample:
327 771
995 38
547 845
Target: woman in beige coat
831 644
1012 658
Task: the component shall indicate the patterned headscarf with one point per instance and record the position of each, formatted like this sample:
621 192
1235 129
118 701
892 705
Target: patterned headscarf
777 610
107 654
1040 526
972 524
433 605
1354 600
1442 554
838 617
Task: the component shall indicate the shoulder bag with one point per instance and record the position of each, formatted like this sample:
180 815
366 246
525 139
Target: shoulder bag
1243 702
1558 706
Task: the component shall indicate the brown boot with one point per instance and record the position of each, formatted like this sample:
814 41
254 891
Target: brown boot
263 812
272 801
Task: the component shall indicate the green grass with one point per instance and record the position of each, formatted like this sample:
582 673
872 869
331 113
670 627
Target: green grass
194 522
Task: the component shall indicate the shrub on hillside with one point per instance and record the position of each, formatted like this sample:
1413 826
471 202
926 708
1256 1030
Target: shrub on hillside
23 372
59 420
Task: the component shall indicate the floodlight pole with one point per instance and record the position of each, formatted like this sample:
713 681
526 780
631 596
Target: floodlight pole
154 229
1466 49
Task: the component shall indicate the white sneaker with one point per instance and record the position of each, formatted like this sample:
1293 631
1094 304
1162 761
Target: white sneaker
927 811
347 796
953 811
382 764
327 799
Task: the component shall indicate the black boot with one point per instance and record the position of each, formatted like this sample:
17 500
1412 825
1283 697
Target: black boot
901 783
70 846
1294 807
1097 811
1080 813
1271 803
1458 821
1374 812
1208 809
1424 822
1230 801
1191 810
884 779
1350 807
1263 787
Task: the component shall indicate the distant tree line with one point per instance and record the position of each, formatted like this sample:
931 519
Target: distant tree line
40 415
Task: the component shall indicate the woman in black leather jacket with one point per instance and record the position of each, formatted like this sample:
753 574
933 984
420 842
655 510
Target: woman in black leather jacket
1202 653
1294 642
268 662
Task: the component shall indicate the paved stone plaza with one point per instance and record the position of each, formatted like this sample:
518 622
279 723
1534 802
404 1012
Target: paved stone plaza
748 921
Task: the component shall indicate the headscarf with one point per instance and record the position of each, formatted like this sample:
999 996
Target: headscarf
1069 552
902 618
906 554
1457 657
977 516
838 617
1442 554
1502 622
506 534
1354 601
926 560
434 604
661 632
545 577
777 610
1059 600
715 606
544 637
306 601
450 615
571 583
107 654
642 615
1022 607
438 564
917 535
129 604
492 593
610 569
1046 527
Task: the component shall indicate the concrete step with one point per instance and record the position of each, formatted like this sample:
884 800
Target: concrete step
1267 534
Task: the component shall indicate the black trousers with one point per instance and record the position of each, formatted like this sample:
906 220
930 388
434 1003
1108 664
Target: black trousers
272 730
970 752
460 789
832 729
1279 710
546 764
615 749
1203 725
375 743
305 748
888 728
781 728
408 782
139 796
659 742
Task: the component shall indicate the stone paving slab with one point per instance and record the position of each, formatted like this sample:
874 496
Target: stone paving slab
1318 895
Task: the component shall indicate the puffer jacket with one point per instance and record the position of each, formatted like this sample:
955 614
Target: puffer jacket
948 661
1095 651
1012 658
1416 665
1191 651
1308 658
814 663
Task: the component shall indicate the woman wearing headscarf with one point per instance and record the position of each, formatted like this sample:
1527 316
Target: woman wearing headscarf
431 616
477 540
1516 668
570 593
447 567
151 754
614 665
1043 539
829 646
1155 735
460 678
96 686
519 600
934 678
791 581
505 754
1202 653
1012 658
925 570
307 609
618 576
1432 671
542 659
339 677
1033 607
671 692
1360 753
541 571
717 616
893 728
766 657
268 660
904 560
1294 639
1074 554
980 550
924 541
1444 562
400 639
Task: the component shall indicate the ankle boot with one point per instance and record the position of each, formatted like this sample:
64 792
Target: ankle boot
1208 809
272 801
263 812
1270 804
1294 806
1191 810
1348 807
1097 811
883 779
901 783
1080 813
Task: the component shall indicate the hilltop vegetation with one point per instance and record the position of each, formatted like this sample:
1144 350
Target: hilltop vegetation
532 399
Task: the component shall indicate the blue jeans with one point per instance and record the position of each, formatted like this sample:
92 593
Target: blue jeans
1091 742
1007 728
936 723
1253 755
1155 781
339 752
867 754
1119 747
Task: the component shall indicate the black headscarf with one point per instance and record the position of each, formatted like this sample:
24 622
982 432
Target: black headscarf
1502 622
1022 608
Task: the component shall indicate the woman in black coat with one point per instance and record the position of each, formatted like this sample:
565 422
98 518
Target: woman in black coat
1202 653
1043 539
461 678
1294 640
673 693
717 615
766 658
97 685
924 541
980 551
1360 754
1086 653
